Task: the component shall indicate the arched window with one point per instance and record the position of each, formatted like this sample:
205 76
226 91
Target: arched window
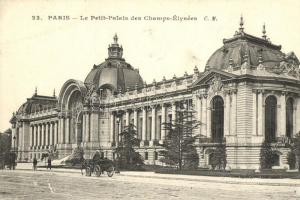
217 119
270 119
289 117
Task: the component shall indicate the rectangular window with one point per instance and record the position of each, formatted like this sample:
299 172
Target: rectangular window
146 155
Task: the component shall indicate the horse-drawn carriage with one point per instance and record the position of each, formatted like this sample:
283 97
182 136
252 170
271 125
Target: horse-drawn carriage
98 166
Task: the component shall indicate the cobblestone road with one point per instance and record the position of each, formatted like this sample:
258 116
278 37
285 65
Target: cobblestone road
57 185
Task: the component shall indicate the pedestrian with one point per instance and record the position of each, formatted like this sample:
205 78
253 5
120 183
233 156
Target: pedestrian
49 163
34 164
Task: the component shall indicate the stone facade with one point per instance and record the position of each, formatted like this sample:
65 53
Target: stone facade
249 91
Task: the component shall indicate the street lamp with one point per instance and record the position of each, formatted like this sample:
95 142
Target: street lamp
117 142
118 131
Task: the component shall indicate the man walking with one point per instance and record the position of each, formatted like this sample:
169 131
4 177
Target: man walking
49 163
34 163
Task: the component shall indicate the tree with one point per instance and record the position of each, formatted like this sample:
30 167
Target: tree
291 159
6 157
76 157
127 157
218 157
179 149
295 149
5 141
267 156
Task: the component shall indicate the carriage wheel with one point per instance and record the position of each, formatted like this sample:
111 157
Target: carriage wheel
97 170
88 171
110 171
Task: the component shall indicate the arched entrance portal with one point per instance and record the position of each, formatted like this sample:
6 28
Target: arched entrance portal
75 107
217 119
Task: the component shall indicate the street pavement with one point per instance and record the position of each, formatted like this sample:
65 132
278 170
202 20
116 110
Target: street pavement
70 184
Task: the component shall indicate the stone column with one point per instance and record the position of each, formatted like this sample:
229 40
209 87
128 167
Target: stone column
112 127
46 134
43 135
227 115
260 113
204 116
13 134
297 115
144 129
59 129
163 120
233 113
51 134
83 127
55 132
34 135
127 117
153 123
282 117
208 120
174 111
61 137
199 113
67 132
135 119
87 127
23 136
39 135
254 119
94 126
31 136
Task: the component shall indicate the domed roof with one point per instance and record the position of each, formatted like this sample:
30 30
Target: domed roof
114 73
246 48
37 103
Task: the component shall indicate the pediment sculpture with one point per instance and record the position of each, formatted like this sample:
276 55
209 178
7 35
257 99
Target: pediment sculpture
216 84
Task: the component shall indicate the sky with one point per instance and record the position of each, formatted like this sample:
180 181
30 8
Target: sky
46 53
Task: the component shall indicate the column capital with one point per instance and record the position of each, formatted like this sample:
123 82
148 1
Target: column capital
163 104
227 92
233 91
145 108
260 91
174 103
284 93
129 110
60 115
136 109
153 106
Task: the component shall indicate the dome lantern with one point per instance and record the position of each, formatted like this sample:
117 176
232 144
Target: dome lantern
241 24
264 36
114 73
115 50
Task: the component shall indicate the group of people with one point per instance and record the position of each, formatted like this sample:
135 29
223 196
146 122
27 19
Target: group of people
34 162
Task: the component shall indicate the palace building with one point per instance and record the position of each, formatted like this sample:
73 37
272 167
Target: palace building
249 92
